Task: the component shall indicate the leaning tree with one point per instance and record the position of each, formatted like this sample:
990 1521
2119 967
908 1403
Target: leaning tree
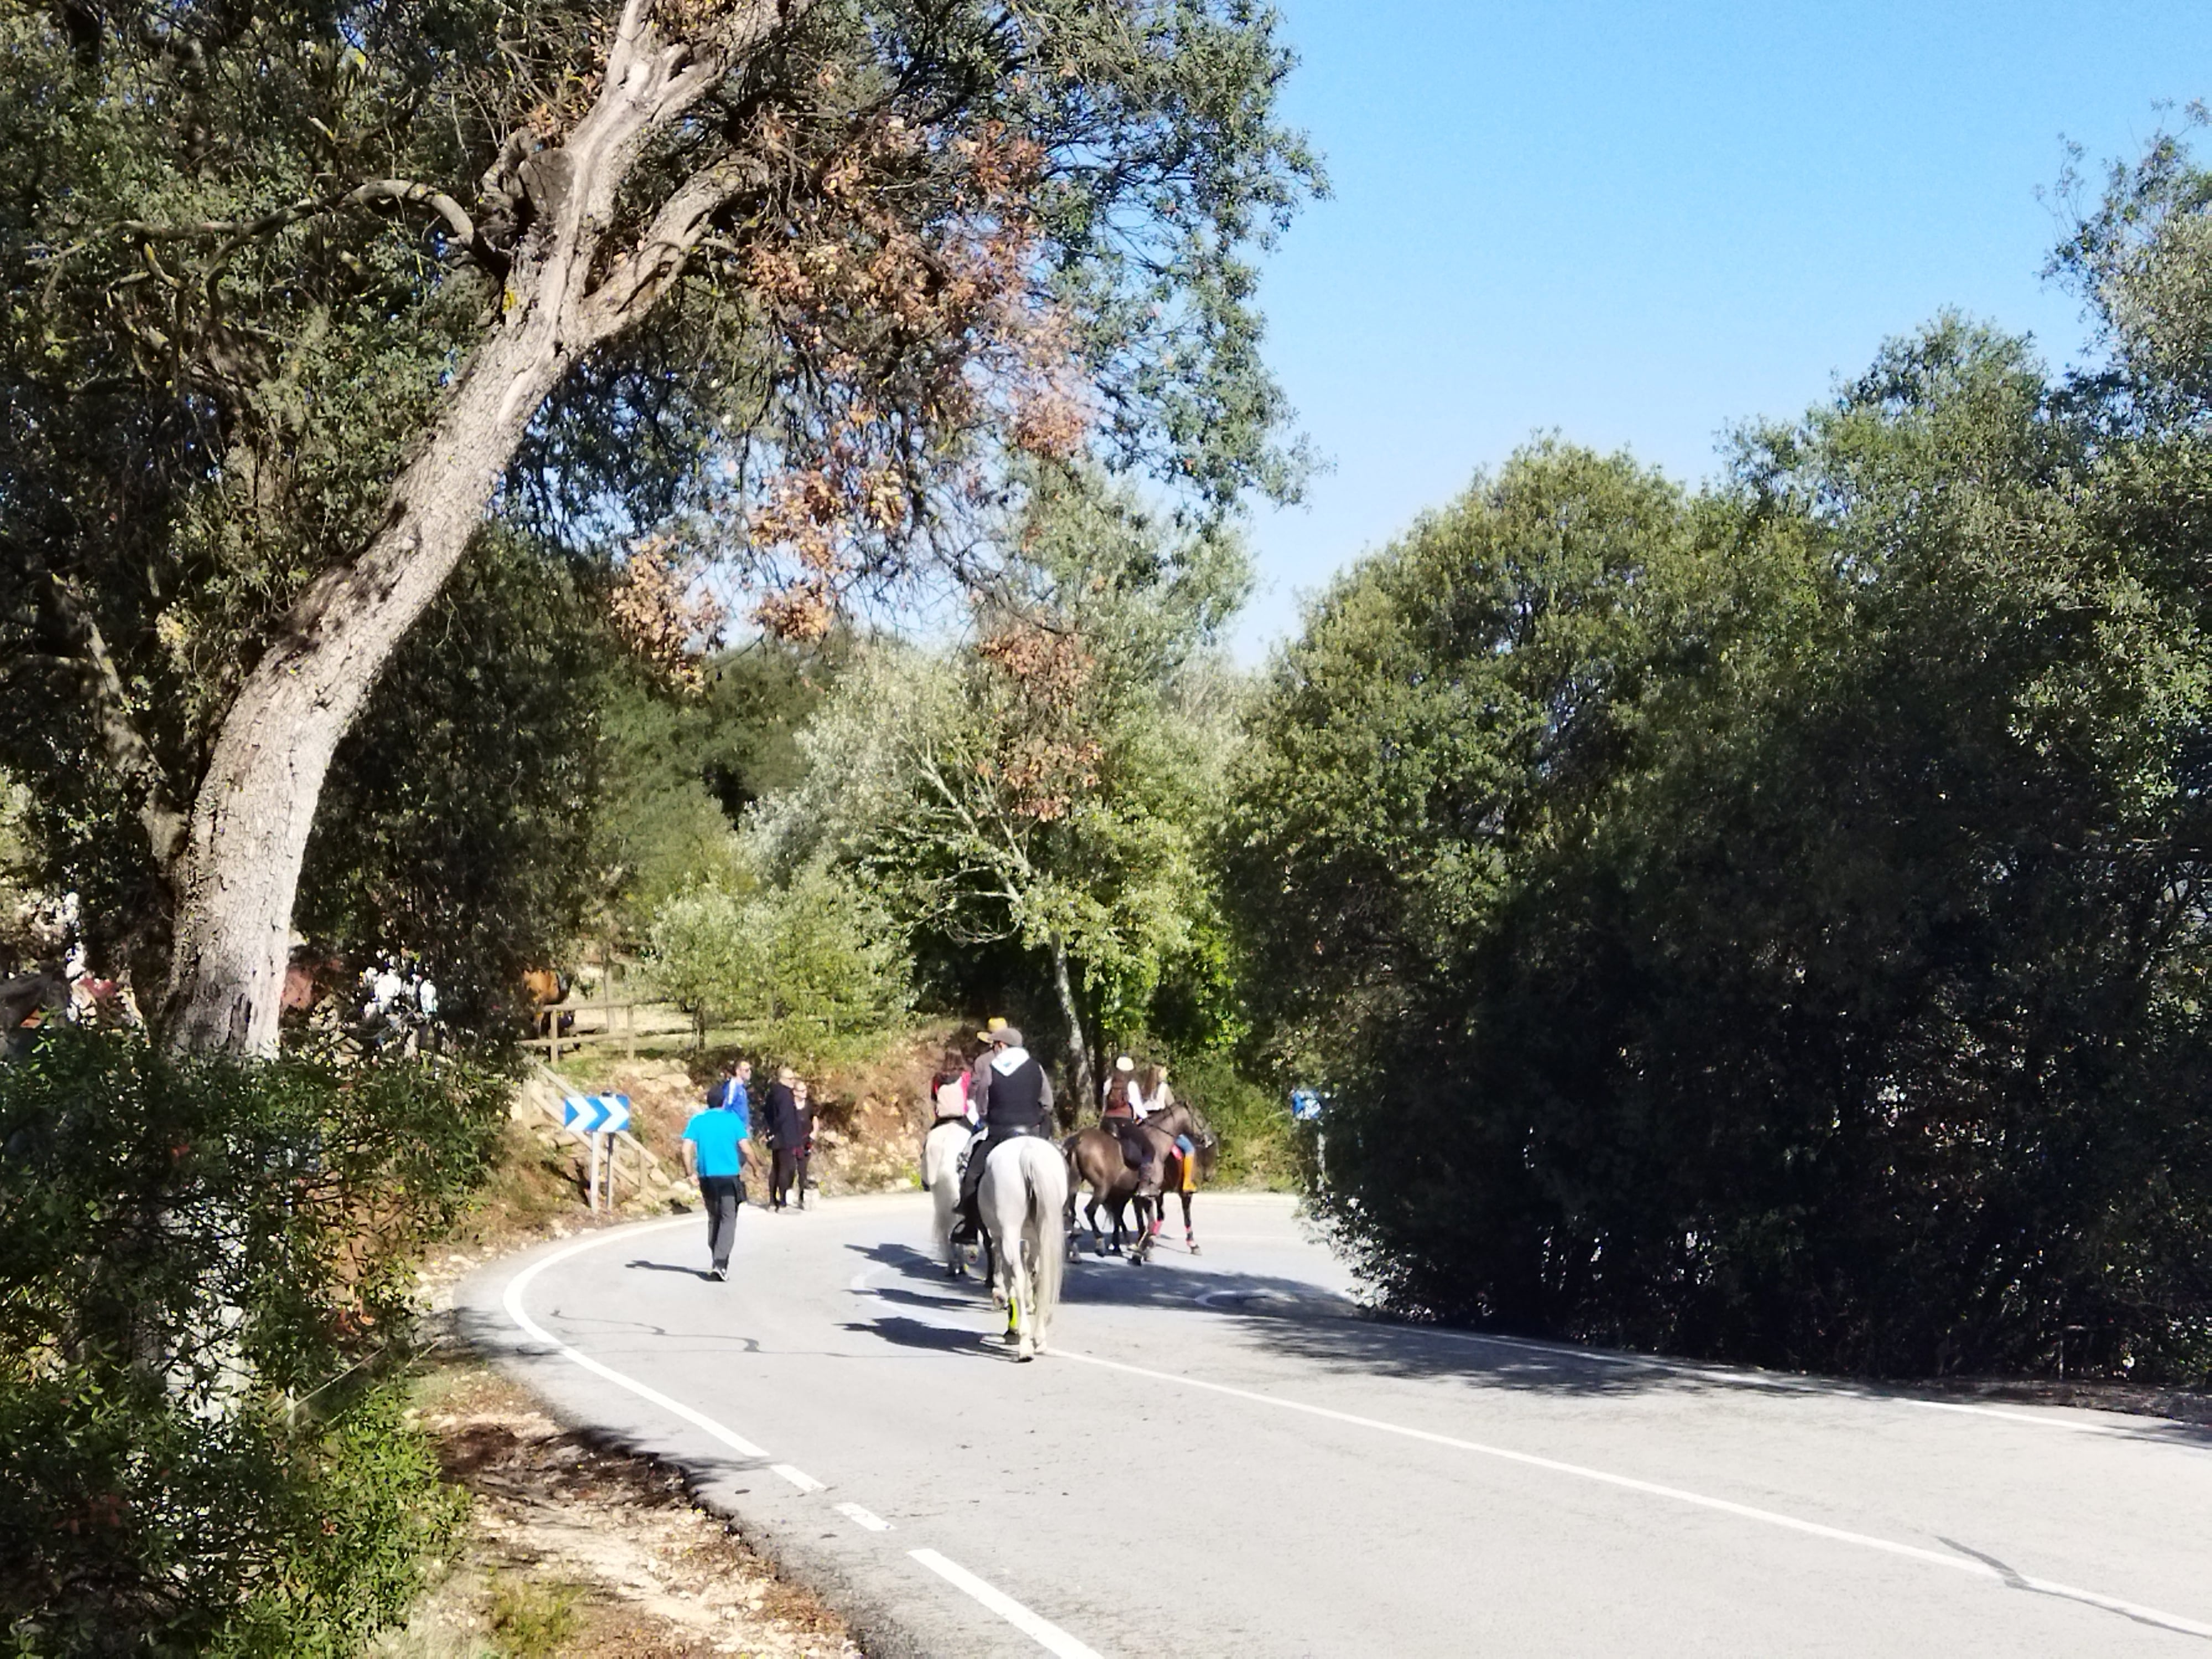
299 294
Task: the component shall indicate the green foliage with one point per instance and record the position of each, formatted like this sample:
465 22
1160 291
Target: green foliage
462 820
679 771
1768 926
216 352
205 1271
1048 784
812 971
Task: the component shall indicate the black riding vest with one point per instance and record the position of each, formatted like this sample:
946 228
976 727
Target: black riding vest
1017 1098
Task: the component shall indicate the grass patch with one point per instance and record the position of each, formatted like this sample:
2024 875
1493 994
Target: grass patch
533 1620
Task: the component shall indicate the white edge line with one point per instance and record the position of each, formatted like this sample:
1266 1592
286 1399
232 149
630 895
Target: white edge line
1837 1535
1046 1634
1039 1630
867 1518
513 1303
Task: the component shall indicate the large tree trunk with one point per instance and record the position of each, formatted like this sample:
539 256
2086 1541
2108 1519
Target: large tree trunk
1081 1083
240 867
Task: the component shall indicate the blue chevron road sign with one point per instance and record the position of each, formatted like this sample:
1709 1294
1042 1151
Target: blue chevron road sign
596 1115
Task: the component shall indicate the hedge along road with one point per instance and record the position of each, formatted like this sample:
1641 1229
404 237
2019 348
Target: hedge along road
1222 1456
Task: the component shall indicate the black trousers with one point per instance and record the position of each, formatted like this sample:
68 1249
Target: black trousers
783 1169
721 1194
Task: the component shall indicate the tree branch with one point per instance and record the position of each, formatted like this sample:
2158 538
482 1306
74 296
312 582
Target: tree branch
126 746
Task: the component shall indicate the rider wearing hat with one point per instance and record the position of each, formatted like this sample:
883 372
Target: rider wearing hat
1015 1098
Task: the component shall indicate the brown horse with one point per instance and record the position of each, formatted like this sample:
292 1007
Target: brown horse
1183 1177
1160 1131
1095 1161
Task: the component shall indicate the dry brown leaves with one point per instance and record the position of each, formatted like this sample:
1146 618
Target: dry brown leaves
659 612
1050 760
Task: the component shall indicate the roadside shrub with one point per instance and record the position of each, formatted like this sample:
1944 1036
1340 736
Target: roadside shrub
813 972
205 1274
1257 1147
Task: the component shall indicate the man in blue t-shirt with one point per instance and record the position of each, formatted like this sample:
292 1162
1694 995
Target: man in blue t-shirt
715 1155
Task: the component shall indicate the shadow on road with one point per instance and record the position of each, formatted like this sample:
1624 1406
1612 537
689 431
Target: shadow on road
642 1265
1301 1321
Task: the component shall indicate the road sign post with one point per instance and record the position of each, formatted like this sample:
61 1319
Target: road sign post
597 1117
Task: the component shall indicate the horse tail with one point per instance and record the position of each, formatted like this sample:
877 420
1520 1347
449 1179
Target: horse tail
1051 1218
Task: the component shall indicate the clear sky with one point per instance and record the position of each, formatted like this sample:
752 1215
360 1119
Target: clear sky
1638 224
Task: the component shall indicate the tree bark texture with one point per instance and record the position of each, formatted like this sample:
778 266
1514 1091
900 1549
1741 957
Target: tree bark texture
1082 1085
239 865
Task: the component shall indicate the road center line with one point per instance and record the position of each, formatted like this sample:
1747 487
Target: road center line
861 1517
1046 1634
798 1478
1970 1565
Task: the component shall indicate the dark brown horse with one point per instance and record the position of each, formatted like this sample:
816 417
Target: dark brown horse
1097 1161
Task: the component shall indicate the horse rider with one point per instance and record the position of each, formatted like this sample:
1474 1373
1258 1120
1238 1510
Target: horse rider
948 1091
1124 1106
1151 1095
1016 1100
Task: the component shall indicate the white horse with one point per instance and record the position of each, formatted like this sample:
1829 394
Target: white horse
941 1174
1025 1201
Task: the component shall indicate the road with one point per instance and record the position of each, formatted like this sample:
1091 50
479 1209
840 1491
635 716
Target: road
1222 1456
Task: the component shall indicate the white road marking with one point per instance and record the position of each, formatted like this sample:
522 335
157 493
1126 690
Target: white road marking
1972 1566
1039 1629
1046 1634
513 1303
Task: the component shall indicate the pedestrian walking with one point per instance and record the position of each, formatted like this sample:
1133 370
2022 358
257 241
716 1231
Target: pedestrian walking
714 1156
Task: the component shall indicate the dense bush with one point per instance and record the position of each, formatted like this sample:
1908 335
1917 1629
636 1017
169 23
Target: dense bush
204 1273
1772 924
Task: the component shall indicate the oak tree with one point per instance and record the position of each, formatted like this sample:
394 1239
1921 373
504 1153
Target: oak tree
298 293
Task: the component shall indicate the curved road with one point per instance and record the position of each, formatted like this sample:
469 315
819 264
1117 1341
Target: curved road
1224 1457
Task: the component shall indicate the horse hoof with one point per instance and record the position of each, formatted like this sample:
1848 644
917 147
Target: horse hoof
1193 1249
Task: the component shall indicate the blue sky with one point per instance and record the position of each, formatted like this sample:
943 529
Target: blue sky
1640 224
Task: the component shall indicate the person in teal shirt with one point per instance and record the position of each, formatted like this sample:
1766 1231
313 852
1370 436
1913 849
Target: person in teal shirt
715 1155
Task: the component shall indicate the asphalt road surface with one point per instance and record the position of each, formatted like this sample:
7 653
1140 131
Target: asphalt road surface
1222 1456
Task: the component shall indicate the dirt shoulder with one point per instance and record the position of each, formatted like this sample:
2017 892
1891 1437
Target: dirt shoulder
572 1548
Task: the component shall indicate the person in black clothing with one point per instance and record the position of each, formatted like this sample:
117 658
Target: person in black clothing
802 1148
786 1130
1019 1102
